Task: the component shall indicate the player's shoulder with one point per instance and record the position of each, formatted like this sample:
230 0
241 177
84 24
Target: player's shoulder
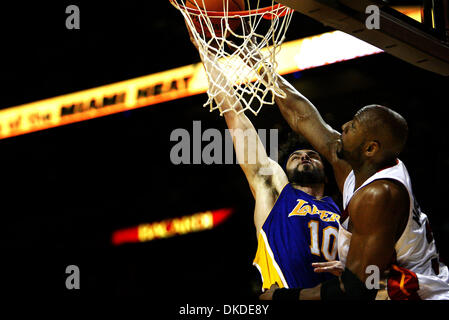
380 193
383 203
384 187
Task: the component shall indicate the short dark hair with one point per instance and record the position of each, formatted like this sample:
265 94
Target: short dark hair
386 125
291 143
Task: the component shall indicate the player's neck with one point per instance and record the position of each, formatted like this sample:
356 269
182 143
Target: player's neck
366 170
314 190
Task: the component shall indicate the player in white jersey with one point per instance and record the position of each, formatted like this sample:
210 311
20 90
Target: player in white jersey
384 227
416 272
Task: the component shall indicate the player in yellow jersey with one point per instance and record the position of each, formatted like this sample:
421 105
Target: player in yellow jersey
296 224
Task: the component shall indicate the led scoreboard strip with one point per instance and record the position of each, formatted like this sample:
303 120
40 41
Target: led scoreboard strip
171 227
297 55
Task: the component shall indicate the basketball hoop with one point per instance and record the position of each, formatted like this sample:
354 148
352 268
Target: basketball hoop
242 46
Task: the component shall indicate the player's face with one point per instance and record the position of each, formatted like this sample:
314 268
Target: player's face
351 141
305 167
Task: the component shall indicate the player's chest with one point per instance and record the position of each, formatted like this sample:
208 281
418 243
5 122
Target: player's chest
299 209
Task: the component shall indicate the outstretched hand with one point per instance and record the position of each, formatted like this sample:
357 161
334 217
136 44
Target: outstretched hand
335 267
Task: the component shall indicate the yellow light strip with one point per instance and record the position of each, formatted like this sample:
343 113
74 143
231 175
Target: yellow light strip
97 102
327 48
160 87
411 11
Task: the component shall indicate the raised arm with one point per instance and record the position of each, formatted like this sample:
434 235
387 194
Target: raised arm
304 118
261 172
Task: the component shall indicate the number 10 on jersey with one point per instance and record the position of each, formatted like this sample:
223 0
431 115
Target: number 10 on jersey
329 253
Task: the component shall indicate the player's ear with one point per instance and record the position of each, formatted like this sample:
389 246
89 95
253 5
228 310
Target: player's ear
371 148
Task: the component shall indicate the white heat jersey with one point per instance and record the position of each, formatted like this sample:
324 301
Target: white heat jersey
417 272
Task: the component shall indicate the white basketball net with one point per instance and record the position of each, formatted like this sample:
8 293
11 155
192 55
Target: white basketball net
242 47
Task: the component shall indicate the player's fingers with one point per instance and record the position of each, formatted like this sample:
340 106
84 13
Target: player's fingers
322 264
334 263
332 269
322 269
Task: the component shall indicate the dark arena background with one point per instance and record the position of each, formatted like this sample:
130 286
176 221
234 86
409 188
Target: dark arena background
65 190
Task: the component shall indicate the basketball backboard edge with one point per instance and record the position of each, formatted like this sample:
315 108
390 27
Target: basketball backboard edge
397 35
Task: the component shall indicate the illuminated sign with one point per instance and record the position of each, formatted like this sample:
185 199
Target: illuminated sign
171 227
164 86
104 100
169 85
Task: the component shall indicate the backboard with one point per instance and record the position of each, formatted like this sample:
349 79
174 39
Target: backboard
425 45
